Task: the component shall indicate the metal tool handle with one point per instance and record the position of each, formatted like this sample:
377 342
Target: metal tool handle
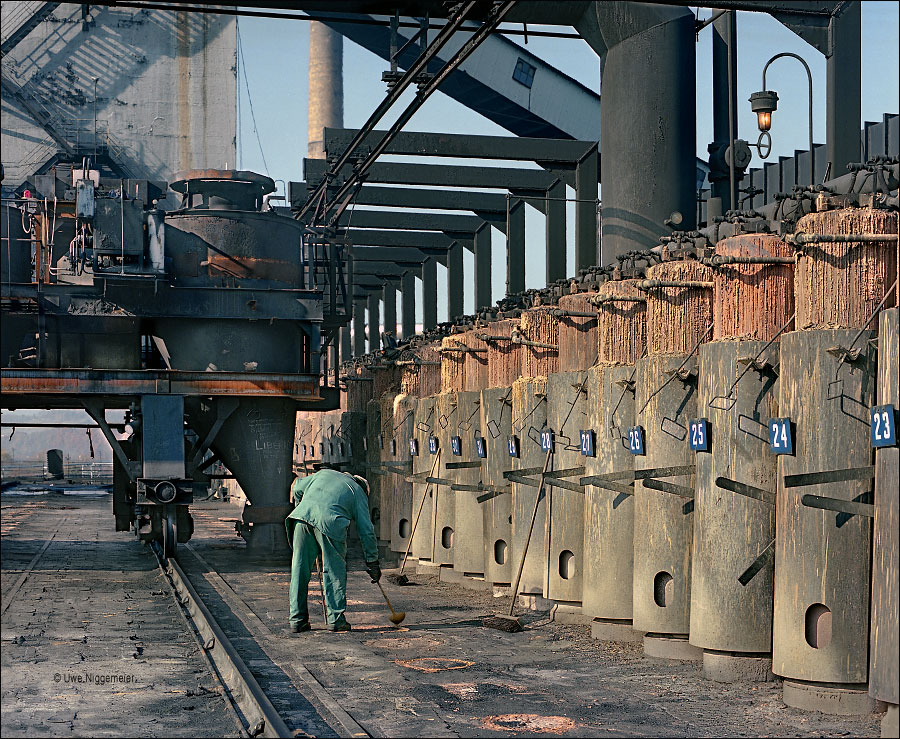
386 599
537 502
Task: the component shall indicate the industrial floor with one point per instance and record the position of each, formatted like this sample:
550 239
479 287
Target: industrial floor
90 603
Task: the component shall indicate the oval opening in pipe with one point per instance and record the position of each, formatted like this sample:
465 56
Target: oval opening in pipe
566 564
818 626
500 552
447 537
662 589
403 528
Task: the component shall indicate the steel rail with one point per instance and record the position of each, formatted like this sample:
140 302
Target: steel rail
243 689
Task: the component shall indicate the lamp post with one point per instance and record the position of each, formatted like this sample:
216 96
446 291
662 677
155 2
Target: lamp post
765 102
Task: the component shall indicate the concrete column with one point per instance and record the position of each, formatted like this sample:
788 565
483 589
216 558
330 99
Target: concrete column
455 281
586 244
389 296
429 293
359 327
408 304
556 232
515 247
326 85
374 320
482 267
843 111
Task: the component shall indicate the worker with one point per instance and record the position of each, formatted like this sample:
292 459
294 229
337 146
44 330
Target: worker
324 504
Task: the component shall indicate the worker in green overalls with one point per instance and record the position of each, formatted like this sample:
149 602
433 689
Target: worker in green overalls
324 504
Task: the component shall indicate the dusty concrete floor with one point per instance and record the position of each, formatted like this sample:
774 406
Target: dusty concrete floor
441 674
94 605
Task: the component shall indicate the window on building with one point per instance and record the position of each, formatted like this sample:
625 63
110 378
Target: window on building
524 73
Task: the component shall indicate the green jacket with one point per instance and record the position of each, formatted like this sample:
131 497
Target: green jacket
329 500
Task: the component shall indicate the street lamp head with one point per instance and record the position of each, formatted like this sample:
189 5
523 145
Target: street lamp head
764 103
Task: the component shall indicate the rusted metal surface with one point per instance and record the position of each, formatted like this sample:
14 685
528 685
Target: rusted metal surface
677 317
149 382
663 523
578 335
468 539
822 557
839 285
539 325
359 389
443 501
884 671
752 301
421 377
453 363
386 379
504 357
622 332
496 425
529 416
404 408
608 514
424 423
732 530
566 415
476 371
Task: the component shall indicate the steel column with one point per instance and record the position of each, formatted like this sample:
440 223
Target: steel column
359 328
455 281
556 232
408 304
389 295
515 247
843 71
586 241
429 294
374 319
482 267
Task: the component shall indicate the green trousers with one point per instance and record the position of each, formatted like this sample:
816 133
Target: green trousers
308 543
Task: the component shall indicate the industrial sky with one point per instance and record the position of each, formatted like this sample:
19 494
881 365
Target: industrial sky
276 56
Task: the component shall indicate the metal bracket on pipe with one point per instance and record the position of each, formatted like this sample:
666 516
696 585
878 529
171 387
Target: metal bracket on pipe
802 239
489 337
517 338
819 478
526 471
462 465
850 507
603 299
681 491
766 557
490 495
461 348
560 313
439 481
534 483
742 488
719 260
646 285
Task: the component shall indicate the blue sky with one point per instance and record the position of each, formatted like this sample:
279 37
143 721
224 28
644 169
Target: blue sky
277 52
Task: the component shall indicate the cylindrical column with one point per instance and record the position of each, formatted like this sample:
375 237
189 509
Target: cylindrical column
677 320
374 455
577 333
401 501
609 512
443 507
423 492
884 673
539 326
731 604
326 85
496 425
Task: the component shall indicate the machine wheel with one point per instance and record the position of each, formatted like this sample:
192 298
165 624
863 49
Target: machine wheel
169 524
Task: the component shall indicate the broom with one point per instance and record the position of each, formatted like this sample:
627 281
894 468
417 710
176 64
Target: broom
509 622
400 578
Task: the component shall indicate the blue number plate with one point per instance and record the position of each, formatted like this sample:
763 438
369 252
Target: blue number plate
432 444
413 448
883 425
547 440
456 445
512 445
636 440
587 442
699 435
781 436
480 447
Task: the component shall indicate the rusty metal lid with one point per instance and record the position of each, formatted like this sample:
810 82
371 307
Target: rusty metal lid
207 179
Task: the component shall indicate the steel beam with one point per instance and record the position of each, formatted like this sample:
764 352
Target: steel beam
429 294
515 247
408 304
437 242
359 327
555 229
455 282
408 197
407 221
483 268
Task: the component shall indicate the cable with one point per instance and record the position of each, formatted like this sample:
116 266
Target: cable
240 50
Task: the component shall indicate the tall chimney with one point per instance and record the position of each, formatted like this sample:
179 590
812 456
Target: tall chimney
326 85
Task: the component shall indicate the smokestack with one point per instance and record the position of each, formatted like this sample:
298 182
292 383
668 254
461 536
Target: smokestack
326 85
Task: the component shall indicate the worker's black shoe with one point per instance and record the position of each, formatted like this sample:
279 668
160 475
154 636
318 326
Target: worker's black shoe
299 628
341 625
